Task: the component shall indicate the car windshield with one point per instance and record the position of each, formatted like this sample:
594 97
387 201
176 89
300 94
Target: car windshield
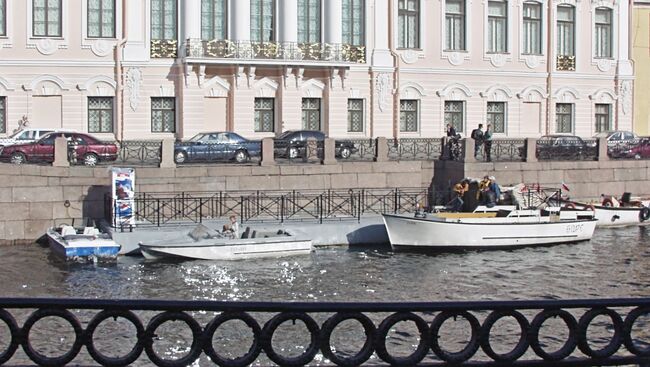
285 134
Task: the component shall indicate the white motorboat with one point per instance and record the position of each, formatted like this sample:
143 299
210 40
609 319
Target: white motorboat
611 216
203 243
80 243
501 227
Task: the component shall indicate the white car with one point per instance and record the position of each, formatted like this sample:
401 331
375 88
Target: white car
24 136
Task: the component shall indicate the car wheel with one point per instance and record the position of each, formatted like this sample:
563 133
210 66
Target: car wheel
18 158
241 156
91 159
180 157
345 153
292 153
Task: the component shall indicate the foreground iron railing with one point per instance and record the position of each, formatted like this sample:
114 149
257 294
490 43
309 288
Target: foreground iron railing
280 206
178 333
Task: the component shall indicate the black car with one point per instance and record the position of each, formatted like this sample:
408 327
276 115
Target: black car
216 146
564 147
292 144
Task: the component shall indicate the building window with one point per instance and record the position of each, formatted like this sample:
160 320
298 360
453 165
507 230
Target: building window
46 18
355 115
564 117
3 17
532 35
101 18
566 30
496 116
497 26
603 117
3 114
264 115
309 25
454 115
163 19
409 24
311 113
100 114
163 114
603 42
455 25
408 115
213 20
353 22
262 20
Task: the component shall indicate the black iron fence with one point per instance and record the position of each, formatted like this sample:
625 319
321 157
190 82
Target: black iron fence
306 205
415 149
596 332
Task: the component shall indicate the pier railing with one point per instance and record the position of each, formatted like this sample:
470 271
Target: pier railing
278 206
54 332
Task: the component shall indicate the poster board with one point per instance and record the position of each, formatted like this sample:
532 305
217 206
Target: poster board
123 192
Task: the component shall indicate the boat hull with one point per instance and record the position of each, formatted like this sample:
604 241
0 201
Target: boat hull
608 216
409 232
82 247
228 250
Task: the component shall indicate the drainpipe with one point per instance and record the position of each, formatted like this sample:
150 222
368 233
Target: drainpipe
550 52
393 53
119 93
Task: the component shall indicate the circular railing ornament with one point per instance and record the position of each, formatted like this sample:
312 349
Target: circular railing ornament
100 358
44 360
253 351
366 350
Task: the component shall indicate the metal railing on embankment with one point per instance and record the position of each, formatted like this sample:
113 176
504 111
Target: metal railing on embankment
292 205
610 332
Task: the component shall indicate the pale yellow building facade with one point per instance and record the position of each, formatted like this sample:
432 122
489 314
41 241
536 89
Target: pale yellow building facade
640 40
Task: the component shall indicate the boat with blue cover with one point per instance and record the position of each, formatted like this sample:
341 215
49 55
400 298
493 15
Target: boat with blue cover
82 243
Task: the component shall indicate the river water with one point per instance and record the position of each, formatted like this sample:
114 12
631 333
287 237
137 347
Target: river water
615 263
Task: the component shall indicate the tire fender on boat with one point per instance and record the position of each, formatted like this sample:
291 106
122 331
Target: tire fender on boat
607 202
590 207
644 214
569 206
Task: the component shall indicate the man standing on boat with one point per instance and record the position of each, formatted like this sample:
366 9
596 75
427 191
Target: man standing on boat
231 229
477 135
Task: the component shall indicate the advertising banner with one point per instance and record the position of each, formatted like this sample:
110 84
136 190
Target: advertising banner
123 191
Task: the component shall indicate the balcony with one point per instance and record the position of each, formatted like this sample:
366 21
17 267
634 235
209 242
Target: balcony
285 51
566 63
164 49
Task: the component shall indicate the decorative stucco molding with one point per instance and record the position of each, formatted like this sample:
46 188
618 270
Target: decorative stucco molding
497 93
604 95
101 47
382 83
265 87
532 61
99 86
4 83
312 88
566 95
216 87
455 91
498 60
134 82
62 85
533 93
412 91
410 56
625 91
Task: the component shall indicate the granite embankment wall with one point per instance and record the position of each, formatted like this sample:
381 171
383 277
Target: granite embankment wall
33 198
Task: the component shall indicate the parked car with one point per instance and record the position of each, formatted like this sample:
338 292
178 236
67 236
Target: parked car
562 146
292 144
618 141
81 147
638 151
24 136
216 146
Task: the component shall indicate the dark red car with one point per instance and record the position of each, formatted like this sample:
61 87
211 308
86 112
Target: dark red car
639 151
81 147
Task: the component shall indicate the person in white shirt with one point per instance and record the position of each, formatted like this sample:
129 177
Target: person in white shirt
231 229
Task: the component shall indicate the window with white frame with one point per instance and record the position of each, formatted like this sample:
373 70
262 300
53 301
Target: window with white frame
311 113
353 22
408 115
163 19
603 33
603 117
455 25
454 114
3 114
309 24
213 20
101 18
100 114
497 26
262 20
496 116
47 18
163 114
3 18
264 115
564 117
532 32
566 25
408 24
355 115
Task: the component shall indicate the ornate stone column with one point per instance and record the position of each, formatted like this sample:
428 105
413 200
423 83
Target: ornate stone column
191 28
333 24
240 20
288 21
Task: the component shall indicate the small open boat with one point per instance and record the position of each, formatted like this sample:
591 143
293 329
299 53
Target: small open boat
615 216
206 244
498 227
84 242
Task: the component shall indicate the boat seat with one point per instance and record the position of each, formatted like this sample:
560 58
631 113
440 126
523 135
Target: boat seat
91 231
246 233
67 230
254 234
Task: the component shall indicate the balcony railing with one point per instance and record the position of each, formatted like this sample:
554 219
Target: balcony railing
566 63
247 50
164 48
